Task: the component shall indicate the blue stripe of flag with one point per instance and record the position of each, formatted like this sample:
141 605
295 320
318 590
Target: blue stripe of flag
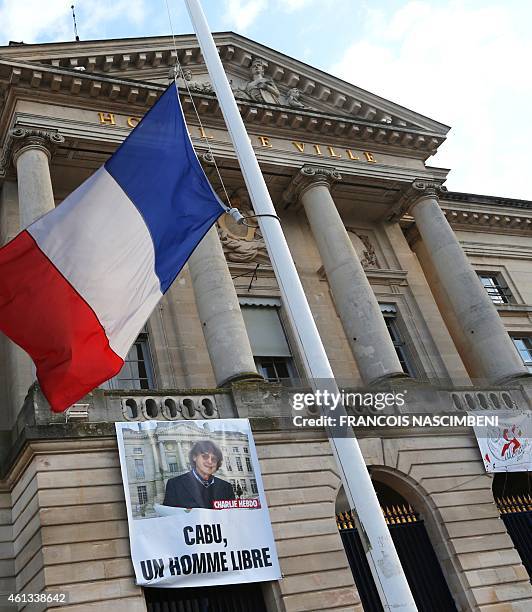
172 192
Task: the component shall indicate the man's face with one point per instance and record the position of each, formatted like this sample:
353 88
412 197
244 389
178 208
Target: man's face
257 70
206 464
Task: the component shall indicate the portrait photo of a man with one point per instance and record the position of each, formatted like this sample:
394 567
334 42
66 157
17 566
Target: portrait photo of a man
199 487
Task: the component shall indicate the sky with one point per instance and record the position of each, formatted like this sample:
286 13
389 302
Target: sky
464 63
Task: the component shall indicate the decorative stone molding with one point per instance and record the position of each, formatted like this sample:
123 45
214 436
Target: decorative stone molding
169 408
345 117
307 177
488 220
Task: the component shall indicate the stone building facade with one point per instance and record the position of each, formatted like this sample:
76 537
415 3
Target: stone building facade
411 286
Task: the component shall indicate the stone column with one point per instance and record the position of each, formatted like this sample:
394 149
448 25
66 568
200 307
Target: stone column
158 473
219 311
32 152
488 342
357 305
183 465
162 453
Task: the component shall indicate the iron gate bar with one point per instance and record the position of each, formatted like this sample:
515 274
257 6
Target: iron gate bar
420 563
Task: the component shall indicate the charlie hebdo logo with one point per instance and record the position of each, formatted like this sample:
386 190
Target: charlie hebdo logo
506 445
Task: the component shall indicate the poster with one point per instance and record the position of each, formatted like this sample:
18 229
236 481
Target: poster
507 447
196 507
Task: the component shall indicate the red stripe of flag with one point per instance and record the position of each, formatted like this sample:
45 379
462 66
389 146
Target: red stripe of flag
44 314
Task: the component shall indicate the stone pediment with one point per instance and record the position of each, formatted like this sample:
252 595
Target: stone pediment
258 74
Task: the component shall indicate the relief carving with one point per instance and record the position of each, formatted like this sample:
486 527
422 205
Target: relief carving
293 99
242 243
196 86
364 249
260 87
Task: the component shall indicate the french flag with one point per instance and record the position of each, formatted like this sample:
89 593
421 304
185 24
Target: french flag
77 286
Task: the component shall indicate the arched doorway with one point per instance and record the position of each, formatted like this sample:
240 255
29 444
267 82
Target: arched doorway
513 495
420 563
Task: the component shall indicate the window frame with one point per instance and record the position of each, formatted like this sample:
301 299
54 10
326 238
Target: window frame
142 491
278 362
499 291
115 383
527 342
391 319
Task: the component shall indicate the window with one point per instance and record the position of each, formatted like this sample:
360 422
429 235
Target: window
137 450
274 369
172 467
139 469
239 464
389 313
246 449
254 488
235 449
244 486
228 465
495 287
271 351
524 345
137 372
248 464
143 494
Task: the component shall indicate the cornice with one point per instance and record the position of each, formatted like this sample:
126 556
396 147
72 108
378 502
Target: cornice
236 51
467 219
484 200
119 90
74 83
478 222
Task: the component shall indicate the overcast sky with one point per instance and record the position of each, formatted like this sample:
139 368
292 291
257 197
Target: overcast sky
465 63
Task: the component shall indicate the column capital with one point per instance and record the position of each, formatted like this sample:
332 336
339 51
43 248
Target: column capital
310 176
420 189
414 193
21 139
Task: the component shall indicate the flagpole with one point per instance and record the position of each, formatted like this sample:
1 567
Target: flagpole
382 557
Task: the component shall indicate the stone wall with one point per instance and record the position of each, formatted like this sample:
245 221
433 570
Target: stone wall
68 530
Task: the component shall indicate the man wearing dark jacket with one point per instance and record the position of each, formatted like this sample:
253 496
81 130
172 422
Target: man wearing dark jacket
199 487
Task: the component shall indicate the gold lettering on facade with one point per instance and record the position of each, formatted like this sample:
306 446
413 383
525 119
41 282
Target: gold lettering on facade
203 134
265 141
107 118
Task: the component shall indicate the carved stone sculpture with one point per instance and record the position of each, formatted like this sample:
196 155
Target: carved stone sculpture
196 86
262 88
293 99
242 243
364 249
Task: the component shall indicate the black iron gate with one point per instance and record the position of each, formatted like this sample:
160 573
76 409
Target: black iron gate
516 513
419 561
231 598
